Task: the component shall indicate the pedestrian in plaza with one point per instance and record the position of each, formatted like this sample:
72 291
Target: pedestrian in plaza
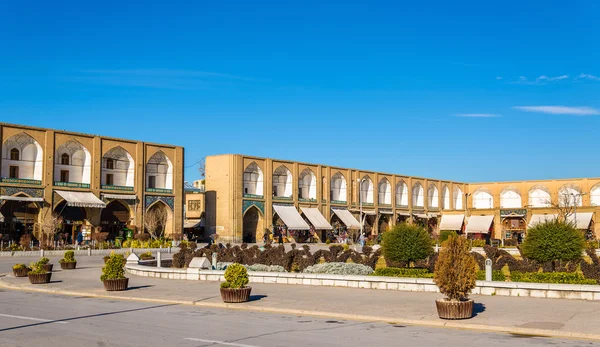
280 237
266 236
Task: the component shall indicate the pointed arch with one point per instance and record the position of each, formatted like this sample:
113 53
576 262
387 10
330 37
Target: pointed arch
159 171
24 152
366 190
253 180
252 228
307 185
446 198
510 197
433 196
418 192
457 198
595 195
384 192
163 227
118 165
79 167
338 187
483 199
539 196
401 193
282 182
569 195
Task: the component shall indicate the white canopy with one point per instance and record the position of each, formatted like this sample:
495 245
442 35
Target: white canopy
540 218
347 218
452 221
386 212
192 223
316 218
120 196
421 215
583 219
290 216
402 213
479 224
1 218
20 198
81 199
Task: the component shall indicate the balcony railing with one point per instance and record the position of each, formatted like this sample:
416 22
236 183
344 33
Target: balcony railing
385 205
338 202
159 190
367 204
71 184
253 196
120 188
21 181
285 198
307 200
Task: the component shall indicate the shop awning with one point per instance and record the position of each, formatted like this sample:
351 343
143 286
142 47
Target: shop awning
20 198
421 215
540 218
479 224
452 221
192 223
290 216
81 199
402 213
386 212
347 218
120 196
1 218
433 215
583 219
316 218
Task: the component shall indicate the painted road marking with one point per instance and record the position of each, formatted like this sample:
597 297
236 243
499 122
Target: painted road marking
33 319
220 342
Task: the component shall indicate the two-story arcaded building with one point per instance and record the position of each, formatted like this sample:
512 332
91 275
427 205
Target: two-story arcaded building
93 183
247 195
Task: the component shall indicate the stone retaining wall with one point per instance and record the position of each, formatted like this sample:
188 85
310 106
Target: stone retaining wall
536 290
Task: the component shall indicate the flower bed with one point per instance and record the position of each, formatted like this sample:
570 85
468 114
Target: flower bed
339 269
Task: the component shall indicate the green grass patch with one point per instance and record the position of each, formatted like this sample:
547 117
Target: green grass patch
400 272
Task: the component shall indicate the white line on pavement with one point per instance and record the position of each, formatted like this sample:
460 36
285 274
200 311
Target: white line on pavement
219 342
33 319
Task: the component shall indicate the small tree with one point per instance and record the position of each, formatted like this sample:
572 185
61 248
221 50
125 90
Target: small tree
50 227
407 243
554 241
155 221
456 269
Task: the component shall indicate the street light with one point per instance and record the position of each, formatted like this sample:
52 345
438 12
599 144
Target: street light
575 205
360 182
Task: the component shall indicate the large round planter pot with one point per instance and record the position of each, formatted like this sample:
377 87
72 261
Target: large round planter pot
21 272
48 267
39 278
68 266
449 309
236 295
116 284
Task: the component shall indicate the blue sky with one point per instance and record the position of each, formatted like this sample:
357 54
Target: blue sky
469 91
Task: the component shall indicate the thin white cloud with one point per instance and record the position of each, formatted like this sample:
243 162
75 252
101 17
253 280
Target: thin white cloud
541 80
588 77
562 110
498 77
478 115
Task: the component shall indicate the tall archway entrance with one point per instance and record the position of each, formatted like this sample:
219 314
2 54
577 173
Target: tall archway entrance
20 218
114 219
253 225
159 220
383 224
73 221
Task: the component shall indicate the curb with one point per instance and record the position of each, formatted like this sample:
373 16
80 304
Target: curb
366 318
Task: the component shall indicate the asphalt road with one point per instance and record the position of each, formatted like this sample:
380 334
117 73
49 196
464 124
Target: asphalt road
31 319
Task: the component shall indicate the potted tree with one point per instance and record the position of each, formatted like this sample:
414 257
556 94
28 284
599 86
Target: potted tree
38 273
20 270
455 274
113 273
45 262
234 289
68 262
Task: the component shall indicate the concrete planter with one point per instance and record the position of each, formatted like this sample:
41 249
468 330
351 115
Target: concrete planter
68 265
450 309
236 295
116 284
21 272
48 267
39 278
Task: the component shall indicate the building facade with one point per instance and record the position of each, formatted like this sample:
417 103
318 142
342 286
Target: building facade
91 183
246 196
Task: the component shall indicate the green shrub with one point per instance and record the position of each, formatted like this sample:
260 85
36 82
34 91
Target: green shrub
592 244
263 268
44 261
346 247
444 234
402 272
114 267
69 257
327 242
38 268
477 243
553 241
236 276
338 268
497 275
407 243
19 267
551 277
455 270
146 256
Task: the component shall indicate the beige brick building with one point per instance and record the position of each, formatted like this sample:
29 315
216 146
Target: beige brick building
94 183
246 195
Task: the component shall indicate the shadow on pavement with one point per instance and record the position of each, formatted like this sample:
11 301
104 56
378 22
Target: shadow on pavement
139 287
256 297
478 308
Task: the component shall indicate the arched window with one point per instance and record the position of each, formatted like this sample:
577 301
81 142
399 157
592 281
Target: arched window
418 192
307 185
457 197
366 190
539 196
253 180
385 192
446 198
510 197
282 182
338 187
483 199
569 195
65 159
595 195
14 154
401 194
433 197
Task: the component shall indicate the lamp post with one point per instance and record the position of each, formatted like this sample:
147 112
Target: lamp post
575 205
360 183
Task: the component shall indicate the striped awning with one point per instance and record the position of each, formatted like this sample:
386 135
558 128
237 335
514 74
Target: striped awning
290 216
119 196
347 218
20 198
479 224
81 199
452 221
316 218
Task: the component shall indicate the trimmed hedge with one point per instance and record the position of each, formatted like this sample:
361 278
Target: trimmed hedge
497 275
401 272
339 269
551 277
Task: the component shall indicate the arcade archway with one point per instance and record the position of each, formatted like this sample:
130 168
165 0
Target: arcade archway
253 225
114 218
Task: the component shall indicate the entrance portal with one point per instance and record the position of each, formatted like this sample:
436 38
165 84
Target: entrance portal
19 219
73 219
252 224
114 219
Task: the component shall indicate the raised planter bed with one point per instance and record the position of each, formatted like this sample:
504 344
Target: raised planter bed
68 265
448 309
39 278
237 295
116 284
48 267
21 272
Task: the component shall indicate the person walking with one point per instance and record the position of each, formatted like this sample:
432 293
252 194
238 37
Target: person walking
280 237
